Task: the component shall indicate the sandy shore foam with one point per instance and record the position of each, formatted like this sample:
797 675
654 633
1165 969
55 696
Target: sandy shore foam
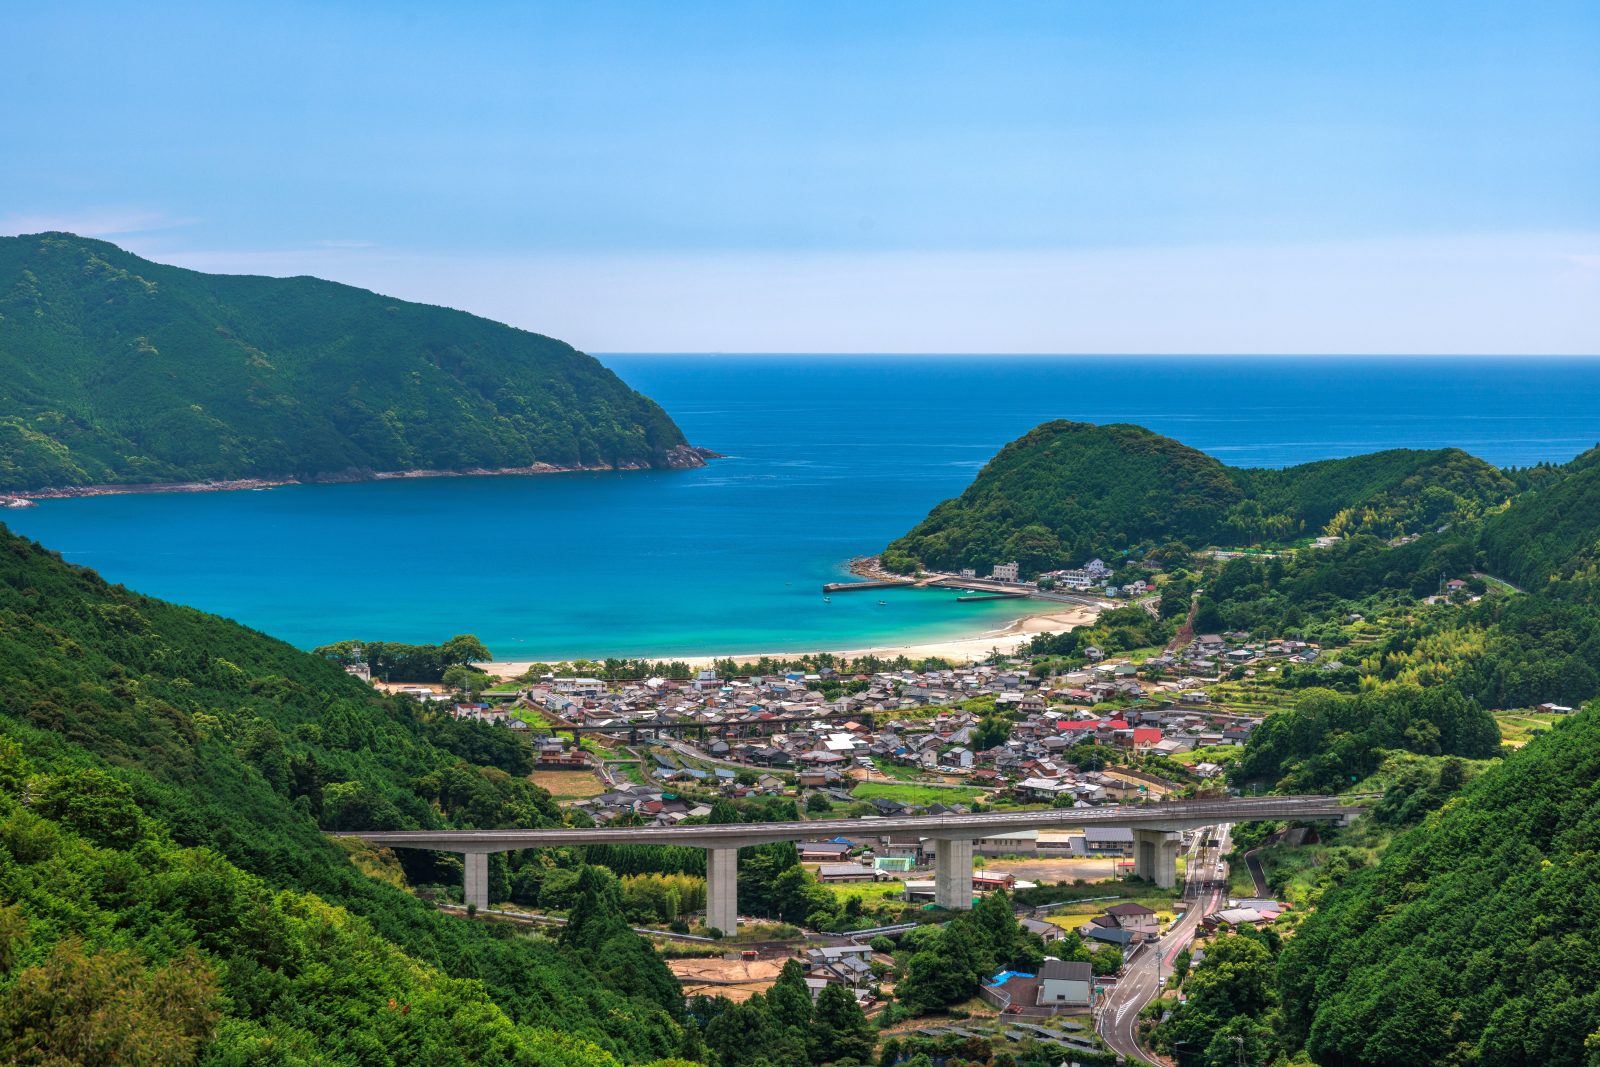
957 650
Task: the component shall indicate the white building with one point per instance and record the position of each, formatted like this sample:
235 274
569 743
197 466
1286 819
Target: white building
1005 572
1074 579
1064 984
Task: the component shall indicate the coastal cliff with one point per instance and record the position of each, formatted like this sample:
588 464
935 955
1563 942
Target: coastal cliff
118 373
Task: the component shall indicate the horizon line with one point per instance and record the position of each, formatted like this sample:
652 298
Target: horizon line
722 353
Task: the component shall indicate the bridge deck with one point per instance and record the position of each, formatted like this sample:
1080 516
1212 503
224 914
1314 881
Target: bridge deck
1176 815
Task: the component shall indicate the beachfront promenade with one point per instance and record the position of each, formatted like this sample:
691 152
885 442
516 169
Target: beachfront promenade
1155 828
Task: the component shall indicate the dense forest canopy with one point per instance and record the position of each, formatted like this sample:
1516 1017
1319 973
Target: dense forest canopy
1473 940
1067 491
1550 538
166 778
114 369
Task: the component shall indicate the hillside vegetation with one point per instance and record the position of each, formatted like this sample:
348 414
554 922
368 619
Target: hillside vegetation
1067 491
168 893
1473 940
1550 538
117 370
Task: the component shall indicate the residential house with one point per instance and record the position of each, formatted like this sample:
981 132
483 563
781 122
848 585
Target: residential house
1137 919
1108 841
1065 984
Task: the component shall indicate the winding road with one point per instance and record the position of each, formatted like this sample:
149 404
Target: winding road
1117 1018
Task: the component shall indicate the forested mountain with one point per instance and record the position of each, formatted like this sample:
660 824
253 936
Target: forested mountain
1396 491
114 369
1071 489
1066 491
168 893
1550 538
1473 940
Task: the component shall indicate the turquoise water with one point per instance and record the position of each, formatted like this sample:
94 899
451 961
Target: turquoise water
828 457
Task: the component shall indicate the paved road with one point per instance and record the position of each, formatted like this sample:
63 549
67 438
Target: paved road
1252 863
1117 1020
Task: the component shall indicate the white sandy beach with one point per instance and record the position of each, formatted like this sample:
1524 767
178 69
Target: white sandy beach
1057 619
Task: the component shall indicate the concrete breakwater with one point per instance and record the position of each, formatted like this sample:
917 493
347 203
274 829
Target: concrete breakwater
850 587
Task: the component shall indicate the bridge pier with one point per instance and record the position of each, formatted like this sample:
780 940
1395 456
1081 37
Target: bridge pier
722 889
952 873
1155 856
476 887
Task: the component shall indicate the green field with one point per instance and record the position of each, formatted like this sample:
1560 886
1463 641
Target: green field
1075 914
898 771
532 718
631 770
1517 728
866 892
1219 754
906 793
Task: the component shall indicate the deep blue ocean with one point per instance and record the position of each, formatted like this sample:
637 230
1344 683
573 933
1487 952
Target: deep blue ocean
827 458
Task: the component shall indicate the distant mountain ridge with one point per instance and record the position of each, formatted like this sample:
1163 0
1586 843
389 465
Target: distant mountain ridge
117 371
1066 491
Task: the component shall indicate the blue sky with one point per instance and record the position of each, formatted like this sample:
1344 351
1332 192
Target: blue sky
1021 177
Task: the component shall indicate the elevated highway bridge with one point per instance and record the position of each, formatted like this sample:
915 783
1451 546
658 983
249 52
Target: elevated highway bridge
1155 828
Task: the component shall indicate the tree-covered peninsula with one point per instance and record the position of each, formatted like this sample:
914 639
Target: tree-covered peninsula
1066 491
118 371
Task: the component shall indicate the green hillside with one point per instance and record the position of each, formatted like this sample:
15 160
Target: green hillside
1550 537
1070 489
1387 493
114 369
1473 940
168 893
1067 491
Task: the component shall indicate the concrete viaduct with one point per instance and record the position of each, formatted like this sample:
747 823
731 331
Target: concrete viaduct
1154 826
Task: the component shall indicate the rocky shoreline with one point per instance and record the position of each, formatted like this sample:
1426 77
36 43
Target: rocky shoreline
683 457
871 568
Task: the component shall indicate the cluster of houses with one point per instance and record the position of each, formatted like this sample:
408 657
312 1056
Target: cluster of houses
1094 575
1122 925
745 712
778 733
1213 654
1034 763
786 732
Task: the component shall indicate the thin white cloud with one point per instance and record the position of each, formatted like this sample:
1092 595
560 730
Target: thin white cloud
94 222
1490 294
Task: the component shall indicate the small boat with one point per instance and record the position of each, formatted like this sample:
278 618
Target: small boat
827 600
882 603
